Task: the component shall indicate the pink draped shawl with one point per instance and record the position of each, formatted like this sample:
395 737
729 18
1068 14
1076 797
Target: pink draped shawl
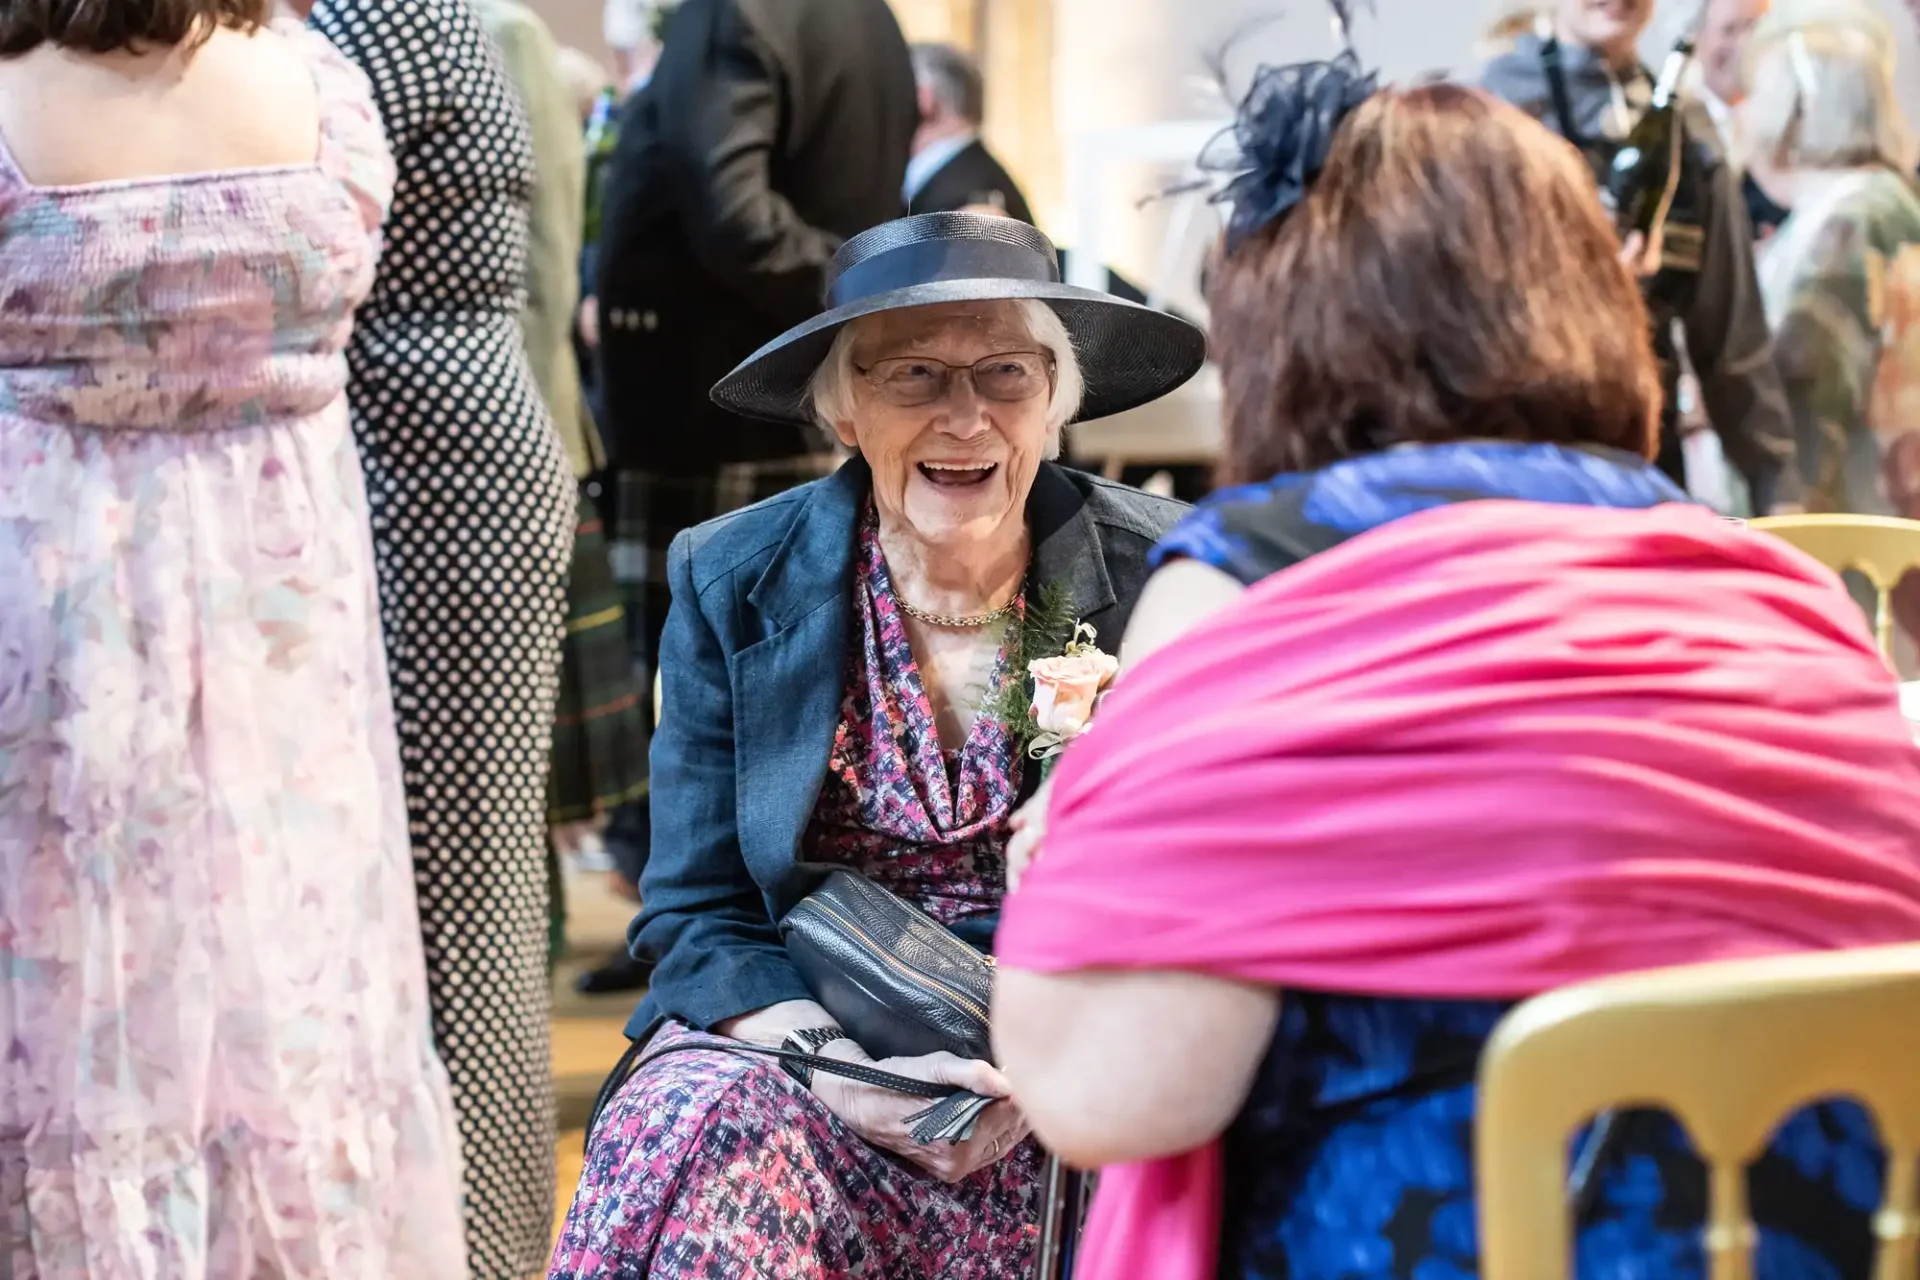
1477 753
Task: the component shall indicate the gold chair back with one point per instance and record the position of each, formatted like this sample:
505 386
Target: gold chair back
1881 547
1732 1049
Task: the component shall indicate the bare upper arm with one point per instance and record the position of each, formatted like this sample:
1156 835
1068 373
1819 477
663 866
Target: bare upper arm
1118 1067
1178 597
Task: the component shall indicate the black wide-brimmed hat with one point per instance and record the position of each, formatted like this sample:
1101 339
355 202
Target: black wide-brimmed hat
1129 354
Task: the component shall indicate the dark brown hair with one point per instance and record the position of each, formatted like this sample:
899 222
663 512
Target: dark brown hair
1450 274
110 26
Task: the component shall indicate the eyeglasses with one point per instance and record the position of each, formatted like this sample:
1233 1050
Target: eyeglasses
911 381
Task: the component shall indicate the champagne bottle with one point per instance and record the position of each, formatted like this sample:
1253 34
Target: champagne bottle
1645 172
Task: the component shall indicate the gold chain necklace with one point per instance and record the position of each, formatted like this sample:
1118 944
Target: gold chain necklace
961 619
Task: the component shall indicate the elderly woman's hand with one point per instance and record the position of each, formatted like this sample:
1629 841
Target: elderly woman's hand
880 1115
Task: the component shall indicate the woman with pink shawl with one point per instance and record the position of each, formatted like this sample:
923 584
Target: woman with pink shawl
1449 700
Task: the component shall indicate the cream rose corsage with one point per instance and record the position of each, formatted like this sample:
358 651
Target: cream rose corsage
1056 675
1065 690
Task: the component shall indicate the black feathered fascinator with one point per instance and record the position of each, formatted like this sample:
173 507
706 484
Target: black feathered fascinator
1283 132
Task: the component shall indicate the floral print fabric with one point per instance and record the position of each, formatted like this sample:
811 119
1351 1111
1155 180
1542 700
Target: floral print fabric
713 1166
214 1047
1353 1160
719 1166
928 827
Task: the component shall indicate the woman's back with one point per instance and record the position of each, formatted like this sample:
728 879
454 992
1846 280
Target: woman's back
242 100
1353 1154
167 268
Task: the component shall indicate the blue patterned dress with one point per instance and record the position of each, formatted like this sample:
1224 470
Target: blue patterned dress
1352 1159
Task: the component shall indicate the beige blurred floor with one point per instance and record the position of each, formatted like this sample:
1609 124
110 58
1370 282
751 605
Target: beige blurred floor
587 1037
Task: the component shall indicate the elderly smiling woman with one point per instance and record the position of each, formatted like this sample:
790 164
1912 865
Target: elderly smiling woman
827 667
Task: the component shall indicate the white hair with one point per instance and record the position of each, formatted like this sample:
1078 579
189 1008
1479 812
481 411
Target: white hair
832 386
1820 89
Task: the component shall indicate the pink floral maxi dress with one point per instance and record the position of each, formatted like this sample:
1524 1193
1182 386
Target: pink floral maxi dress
214 1048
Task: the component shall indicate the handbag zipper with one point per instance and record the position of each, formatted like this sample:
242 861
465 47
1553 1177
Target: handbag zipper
959 999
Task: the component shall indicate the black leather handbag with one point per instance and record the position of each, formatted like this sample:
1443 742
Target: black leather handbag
902 985
896 980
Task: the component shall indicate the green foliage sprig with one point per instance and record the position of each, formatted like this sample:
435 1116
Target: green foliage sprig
1043 629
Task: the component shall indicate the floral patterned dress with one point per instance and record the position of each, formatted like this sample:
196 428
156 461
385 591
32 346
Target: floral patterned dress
214 1050
717 1166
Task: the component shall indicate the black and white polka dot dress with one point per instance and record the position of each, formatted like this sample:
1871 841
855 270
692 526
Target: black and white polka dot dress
473 524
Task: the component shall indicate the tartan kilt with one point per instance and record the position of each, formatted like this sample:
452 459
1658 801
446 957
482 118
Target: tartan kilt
649 508
600 725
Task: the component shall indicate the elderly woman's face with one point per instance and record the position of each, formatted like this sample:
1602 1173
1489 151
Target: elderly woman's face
950 411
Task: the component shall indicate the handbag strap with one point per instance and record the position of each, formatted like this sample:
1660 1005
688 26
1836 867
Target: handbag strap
949 1101
950 1117
1555 70
814 1062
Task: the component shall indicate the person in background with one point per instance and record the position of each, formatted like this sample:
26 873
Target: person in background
592 90
594 95
555 218
952 171
599 98
599 131
213 998
769 131
599 740
473 522
1720 86
1841 279
1450 752
1826 138
632 31
1704 279
951 167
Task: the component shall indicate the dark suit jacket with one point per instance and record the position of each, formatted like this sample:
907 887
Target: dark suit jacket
972 176
770 131
753 663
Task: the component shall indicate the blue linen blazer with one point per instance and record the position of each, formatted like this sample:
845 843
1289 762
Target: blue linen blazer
753 669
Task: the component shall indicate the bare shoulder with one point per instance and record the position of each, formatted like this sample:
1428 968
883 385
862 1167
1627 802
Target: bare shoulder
1179 596
242 100
273 72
